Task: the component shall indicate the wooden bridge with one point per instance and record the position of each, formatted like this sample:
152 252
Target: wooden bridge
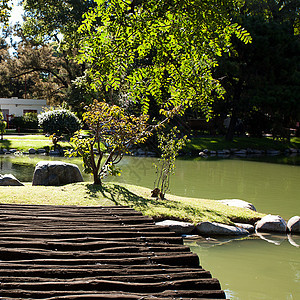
68 252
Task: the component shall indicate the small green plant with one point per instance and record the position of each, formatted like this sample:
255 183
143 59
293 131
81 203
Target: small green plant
3 125
170 145
59 122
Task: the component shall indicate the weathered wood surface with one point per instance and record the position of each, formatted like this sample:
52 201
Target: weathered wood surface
68 252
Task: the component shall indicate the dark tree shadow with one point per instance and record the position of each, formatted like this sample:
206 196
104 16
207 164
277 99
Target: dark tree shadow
120 195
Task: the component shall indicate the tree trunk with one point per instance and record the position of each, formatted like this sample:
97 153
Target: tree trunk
97 180
231 129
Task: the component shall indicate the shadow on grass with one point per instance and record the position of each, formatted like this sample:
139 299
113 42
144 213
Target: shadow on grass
5 144
122 196
170 209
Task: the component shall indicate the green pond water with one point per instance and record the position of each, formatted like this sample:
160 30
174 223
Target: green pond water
252 268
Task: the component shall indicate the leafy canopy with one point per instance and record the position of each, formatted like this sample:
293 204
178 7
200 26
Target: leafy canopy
5 9
158 49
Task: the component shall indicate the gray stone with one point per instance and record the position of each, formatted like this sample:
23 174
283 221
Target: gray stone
273 152
250 228
54 153
55 173
258 152
238 203
293 224
41 151
177 226
9 180
213 229
271 223
240 152
31 151
293 150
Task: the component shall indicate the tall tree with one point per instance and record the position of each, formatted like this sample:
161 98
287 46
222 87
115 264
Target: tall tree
44 59
48 20
5 9
162 50
261 79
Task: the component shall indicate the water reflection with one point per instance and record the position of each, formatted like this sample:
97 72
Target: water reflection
272 238
294 240
252 268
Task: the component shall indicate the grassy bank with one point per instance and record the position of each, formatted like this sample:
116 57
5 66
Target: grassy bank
24 142
219 143
87 194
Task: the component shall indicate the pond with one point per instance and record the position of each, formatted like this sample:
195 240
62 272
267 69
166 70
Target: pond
248 268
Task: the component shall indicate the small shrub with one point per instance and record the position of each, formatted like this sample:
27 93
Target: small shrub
28 121
3 125
169 145
59 122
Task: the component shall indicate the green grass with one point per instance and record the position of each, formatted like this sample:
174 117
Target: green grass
25 142
219 143
87 194
29 137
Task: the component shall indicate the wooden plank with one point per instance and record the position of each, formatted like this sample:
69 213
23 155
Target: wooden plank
69 252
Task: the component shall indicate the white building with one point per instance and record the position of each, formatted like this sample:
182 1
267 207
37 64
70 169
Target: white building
18 107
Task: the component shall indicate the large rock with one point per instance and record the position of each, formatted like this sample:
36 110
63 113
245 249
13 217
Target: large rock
55 173
238 203
271 223
177 226
213 229
293 224
9 179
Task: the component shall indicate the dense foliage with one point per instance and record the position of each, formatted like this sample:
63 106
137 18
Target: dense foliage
155 56
161 50
4 13
262 80
28 121
59 122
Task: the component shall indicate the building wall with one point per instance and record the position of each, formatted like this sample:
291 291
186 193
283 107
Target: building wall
18 107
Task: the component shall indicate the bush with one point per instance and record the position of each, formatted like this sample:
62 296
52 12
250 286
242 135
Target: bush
28 121
59 122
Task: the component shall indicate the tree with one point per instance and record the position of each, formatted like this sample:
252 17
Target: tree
112 132
261 80
50 20
162 50
5 9
44 65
